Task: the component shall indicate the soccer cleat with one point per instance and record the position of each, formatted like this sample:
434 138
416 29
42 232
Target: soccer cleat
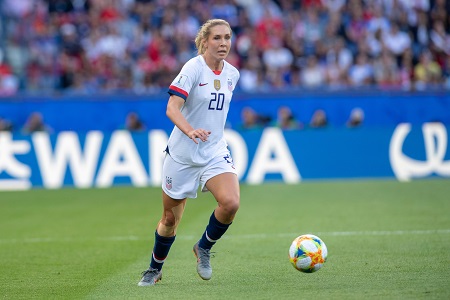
204 269
150 277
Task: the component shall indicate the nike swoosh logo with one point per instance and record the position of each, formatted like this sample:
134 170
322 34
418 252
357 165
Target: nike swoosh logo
202 84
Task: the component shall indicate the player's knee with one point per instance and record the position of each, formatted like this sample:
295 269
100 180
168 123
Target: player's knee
169 220
231 205
168 223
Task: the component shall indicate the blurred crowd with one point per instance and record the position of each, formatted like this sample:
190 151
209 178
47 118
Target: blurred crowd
105 46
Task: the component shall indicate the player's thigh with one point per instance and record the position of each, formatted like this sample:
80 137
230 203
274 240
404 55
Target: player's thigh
225 188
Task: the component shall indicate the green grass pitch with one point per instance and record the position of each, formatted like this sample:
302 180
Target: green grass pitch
386 240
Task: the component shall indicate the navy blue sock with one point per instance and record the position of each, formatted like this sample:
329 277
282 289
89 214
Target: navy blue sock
213 232
160 250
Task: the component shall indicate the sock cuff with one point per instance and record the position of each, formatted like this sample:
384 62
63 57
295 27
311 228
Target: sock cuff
164 239
216 222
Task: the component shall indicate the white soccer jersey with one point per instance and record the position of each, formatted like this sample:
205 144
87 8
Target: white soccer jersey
207 98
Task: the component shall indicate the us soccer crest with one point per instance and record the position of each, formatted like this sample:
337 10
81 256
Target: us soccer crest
230 85
168 182
217 84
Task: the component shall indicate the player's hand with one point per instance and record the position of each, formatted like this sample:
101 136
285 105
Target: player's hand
202 134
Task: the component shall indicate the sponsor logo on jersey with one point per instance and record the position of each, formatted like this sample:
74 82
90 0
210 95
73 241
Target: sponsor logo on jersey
230 85
202 84
217 84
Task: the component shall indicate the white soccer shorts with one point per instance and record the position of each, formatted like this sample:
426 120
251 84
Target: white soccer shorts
181 181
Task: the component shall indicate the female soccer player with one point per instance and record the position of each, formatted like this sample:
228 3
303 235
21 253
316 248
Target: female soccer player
197 153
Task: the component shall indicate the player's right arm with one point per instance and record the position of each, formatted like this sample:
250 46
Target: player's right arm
173 112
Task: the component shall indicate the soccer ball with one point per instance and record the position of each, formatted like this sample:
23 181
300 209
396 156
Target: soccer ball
308 253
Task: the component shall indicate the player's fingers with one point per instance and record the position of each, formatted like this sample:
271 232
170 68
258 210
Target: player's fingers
203 134
199 133
194 138
207 133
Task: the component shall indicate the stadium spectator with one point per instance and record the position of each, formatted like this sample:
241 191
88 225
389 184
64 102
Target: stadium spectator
313 74
406 73
427 72
440 11
286 120
314 29
386 71
334 6
396 41
440 39
5 125
420 33
356 118
133 123
8 81
111 43
318 119
335 76
35 123
341 55
377 21
223 9
356 27
17 9
330 37
361 73
258 10
252 120
249 75
374 43
276 56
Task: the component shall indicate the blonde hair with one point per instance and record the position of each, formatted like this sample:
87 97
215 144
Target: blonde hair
204 32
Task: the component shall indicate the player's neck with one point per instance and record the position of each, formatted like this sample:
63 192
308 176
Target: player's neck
214 65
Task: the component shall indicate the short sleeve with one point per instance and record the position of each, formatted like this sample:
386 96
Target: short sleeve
185 80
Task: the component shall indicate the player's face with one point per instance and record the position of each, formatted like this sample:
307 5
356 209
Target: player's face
219 42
